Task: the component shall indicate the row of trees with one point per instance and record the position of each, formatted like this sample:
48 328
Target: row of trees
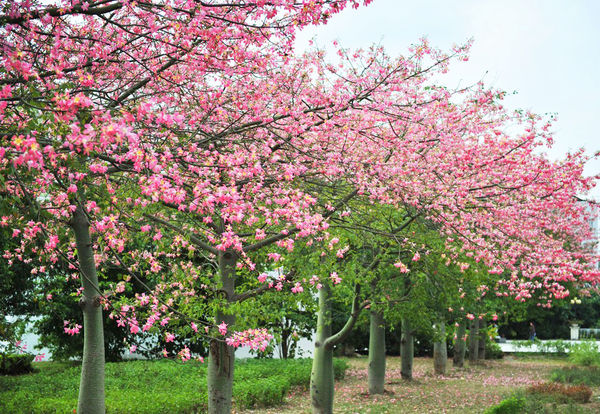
182 148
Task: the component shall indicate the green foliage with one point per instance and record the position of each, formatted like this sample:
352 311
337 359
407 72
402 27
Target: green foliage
512 405
585 353
549 323
577 375
339 368
152 387
558 346
493 350
15 364
522 402
263 392
288 316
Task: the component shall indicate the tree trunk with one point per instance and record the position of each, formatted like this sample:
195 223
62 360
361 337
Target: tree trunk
474 341
321 377
407 349
440 350
482 338
376 353
459 345
91 388
221 356
285 341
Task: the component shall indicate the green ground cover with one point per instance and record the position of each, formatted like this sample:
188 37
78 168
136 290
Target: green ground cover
281 387
152 387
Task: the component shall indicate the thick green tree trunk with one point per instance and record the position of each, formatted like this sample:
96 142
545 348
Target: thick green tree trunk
474 341
221 357
376 353
440 350
459 345
91 387
407 349
482 338
321 377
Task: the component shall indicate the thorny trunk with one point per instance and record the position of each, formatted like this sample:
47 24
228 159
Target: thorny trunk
321 377
91 388
440 350
376 353
482 339
474 341
459 345
221 356
406 350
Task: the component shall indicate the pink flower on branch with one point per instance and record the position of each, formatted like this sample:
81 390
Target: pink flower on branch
222 328
253 338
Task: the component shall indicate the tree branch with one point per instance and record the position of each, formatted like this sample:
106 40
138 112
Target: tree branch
195 239
345 331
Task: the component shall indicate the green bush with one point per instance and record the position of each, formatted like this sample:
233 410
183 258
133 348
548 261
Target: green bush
585 353
493 350
557 346
263 392
512 405
339 368
577 375
538 403
15 364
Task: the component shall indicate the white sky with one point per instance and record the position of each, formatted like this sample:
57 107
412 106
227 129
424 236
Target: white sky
546 50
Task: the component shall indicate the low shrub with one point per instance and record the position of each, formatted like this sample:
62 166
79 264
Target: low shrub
263 392
339 368
493 350
557 346
511 405
15 364
577 375
585 354
562 393
538 403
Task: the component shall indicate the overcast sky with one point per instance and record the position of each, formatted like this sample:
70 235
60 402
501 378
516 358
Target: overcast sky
546 50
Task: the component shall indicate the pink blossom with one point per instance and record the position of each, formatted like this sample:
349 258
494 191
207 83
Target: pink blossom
402 267
222 328
297 288
71 329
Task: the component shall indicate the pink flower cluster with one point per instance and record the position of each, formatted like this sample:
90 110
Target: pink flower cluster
253 338
70 328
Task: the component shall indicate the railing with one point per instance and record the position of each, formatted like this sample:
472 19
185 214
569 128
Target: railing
589 333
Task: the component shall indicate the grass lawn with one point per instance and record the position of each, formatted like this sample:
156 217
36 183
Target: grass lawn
154 387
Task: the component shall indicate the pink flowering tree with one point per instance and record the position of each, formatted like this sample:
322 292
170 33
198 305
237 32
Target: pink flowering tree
190 127
488 189
85 87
